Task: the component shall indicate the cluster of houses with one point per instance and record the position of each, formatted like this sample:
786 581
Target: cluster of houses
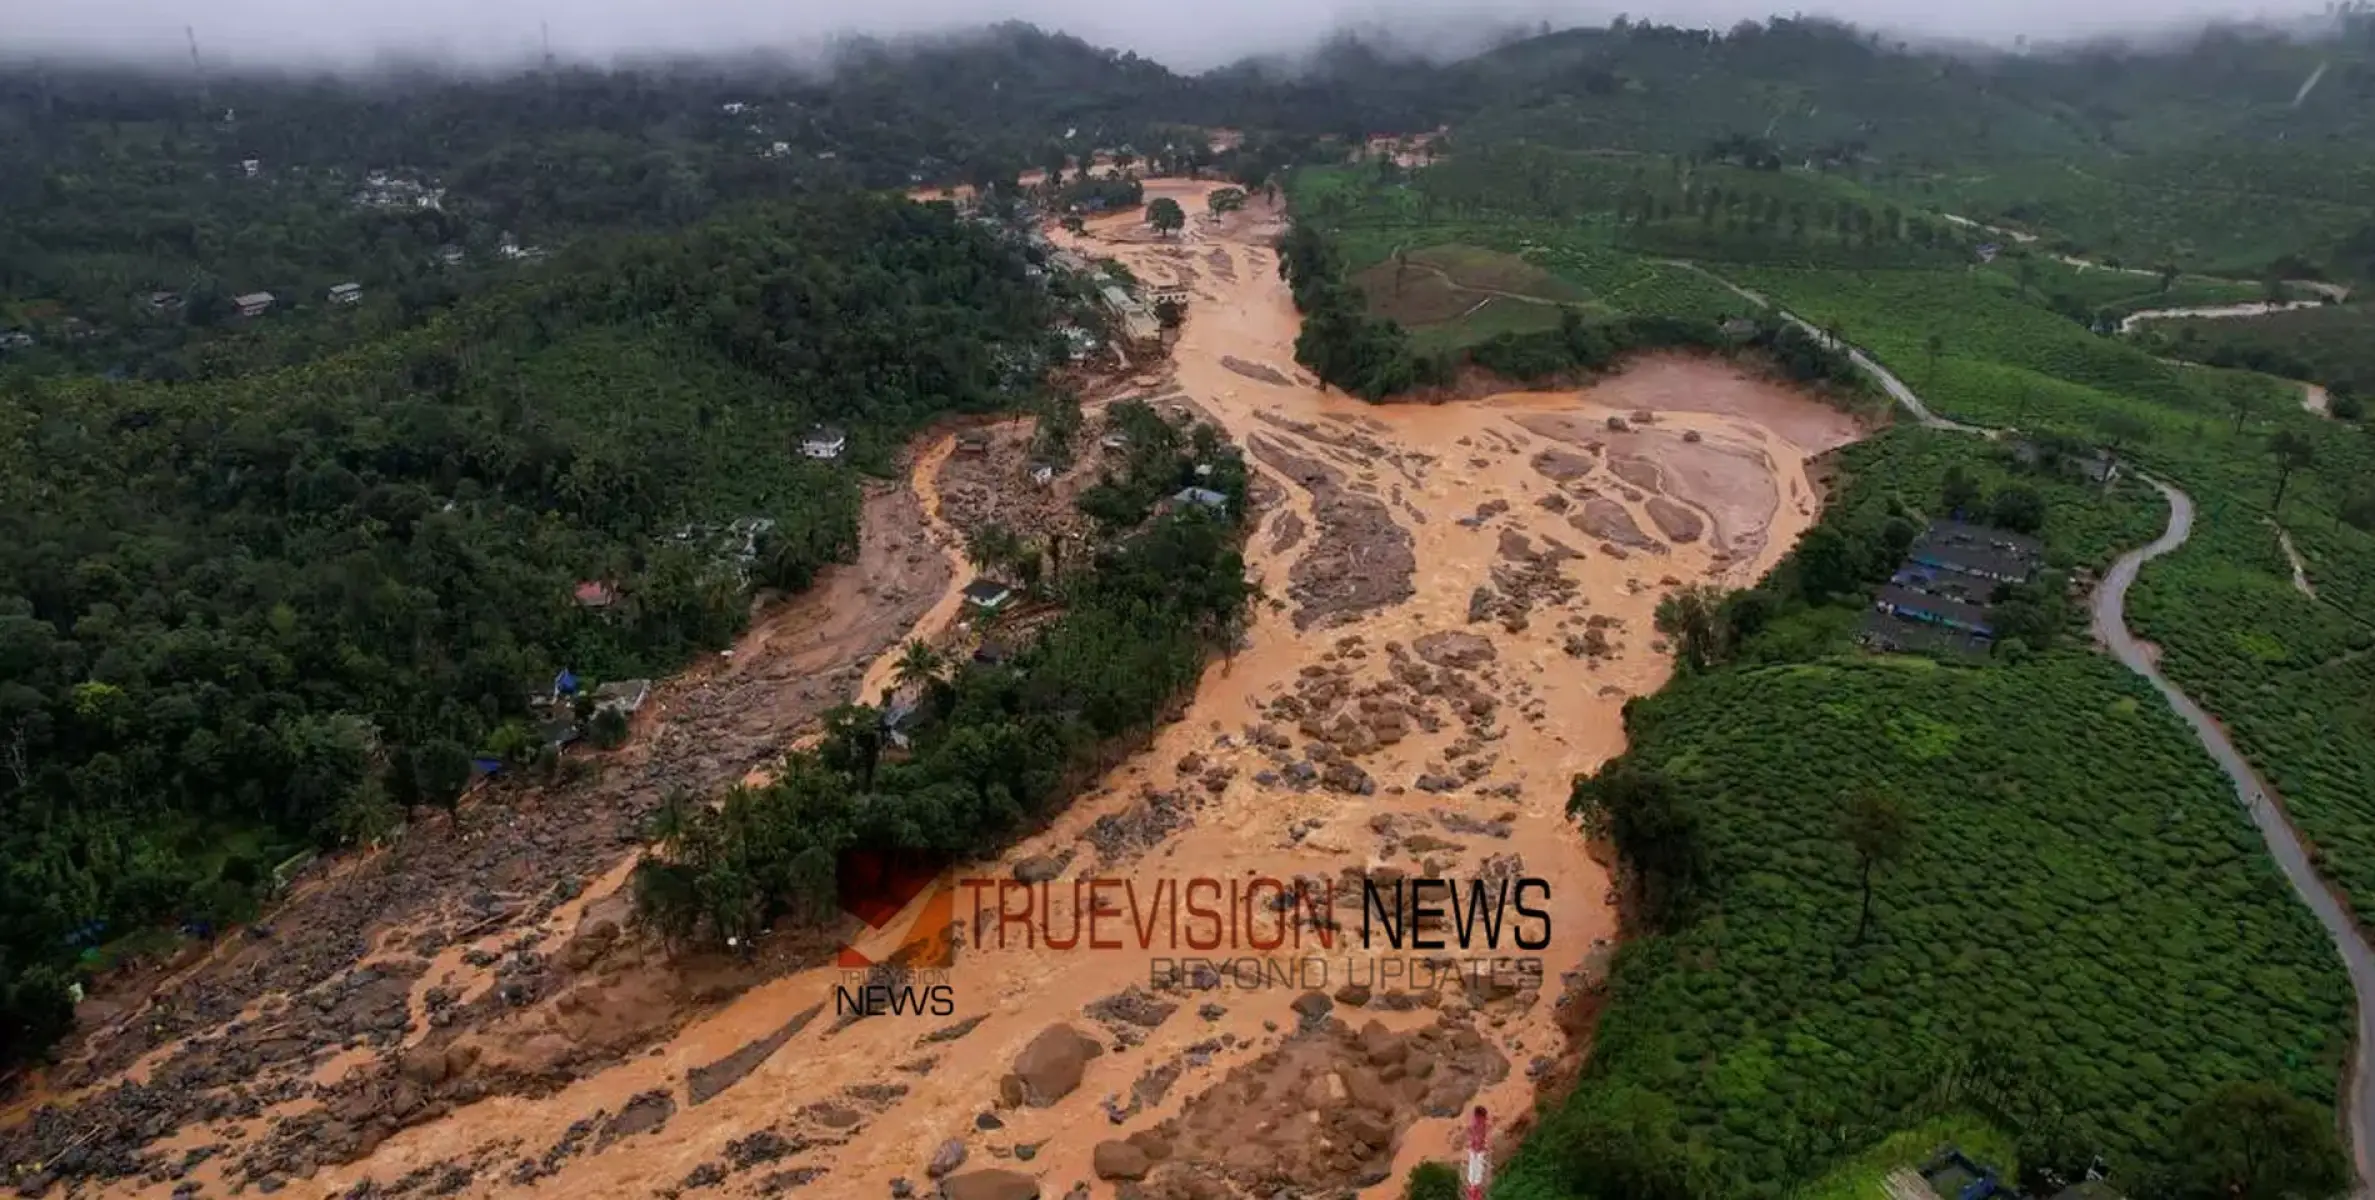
164 303
1941 595
509 248
554 714
396 193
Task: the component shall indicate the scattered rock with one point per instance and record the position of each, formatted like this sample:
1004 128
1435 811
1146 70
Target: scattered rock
1454 648
1050 1067
996 1183
1119 1160
947 1158
1311 1008
1039 868
1132 1006
646 1112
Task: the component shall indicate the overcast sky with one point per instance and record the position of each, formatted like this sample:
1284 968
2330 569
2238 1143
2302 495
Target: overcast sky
1187 34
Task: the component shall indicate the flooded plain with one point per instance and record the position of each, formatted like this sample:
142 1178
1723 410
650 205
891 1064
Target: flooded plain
1458 599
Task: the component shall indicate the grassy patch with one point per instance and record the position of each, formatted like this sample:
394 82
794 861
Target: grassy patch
1450 284
2333 345
1861 1178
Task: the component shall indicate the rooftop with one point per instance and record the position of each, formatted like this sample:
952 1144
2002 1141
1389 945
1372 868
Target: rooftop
1961 613
987 592
626 695
1978 549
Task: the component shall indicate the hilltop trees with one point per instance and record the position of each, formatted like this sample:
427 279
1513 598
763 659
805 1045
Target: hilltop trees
288 604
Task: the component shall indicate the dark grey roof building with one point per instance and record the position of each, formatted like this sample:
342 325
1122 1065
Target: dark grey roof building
1978 551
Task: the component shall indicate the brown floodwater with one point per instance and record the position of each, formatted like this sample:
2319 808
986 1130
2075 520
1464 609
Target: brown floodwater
1722 453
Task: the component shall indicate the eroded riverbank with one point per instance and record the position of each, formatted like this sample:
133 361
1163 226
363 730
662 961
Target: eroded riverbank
1460 600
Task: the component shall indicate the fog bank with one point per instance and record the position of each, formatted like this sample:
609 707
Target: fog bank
1185 36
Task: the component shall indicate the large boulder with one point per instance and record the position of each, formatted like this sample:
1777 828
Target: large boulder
1039 868
949 1157
991 1184
1050 1067
1119 1160
1456 649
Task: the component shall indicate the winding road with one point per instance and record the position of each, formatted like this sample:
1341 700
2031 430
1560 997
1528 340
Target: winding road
2285 843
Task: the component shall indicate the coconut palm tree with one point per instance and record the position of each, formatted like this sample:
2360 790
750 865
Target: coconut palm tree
990 547
919 664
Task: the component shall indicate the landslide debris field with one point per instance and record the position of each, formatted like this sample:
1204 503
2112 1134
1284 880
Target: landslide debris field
1459 599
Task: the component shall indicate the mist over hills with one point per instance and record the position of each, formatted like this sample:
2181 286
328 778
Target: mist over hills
456 33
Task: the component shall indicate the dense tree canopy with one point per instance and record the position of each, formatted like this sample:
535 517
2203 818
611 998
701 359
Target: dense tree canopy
990 746
289 601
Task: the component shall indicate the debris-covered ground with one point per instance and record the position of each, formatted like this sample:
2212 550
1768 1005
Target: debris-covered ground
1460 597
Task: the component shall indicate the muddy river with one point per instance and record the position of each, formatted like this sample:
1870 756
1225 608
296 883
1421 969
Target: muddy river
1458 600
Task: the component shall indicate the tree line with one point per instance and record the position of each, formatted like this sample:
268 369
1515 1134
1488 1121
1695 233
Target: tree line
965 756
296 602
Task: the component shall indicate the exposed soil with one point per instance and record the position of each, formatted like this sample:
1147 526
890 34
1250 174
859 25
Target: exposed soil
1362 560
1255 371
442 933
1476 657
2292 555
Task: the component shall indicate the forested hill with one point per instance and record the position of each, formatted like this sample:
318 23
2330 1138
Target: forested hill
282 605
425 188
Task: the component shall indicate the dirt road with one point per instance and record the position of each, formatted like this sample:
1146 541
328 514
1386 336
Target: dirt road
1461 598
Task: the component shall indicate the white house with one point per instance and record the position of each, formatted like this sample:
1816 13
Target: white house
347 293
625 696
254 304
824 444
988 595
1202 498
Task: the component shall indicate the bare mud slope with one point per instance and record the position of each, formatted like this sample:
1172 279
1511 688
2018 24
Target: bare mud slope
1458 601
